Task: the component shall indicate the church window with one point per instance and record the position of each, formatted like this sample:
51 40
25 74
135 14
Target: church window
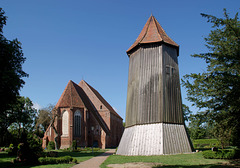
65 123
77 123
101 107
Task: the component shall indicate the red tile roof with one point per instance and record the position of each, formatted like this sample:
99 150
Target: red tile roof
98 95
152 32
70 97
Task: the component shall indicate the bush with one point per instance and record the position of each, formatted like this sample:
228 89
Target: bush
51 145
75 160
222 154
74 145
55 160
30 149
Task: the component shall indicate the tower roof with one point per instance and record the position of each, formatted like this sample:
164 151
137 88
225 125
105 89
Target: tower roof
152 32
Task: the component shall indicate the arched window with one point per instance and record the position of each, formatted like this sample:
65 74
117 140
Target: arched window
65 123
77 123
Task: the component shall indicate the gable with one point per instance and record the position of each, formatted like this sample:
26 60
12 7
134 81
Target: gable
70 97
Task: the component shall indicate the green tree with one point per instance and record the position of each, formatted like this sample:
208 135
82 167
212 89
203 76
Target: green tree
23 115
11 74
216 92
186 112
197 126
47 118
44 117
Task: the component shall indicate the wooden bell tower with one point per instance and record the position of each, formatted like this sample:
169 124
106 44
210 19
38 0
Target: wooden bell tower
154 117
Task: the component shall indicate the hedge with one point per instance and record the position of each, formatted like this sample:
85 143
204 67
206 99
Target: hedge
55 160
222 154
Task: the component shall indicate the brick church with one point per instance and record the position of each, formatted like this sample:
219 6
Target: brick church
82 114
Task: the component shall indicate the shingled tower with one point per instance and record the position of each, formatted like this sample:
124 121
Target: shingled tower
154 118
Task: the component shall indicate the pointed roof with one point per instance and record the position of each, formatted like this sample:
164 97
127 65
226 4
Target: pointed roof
152 32
74 96
70 97
100 98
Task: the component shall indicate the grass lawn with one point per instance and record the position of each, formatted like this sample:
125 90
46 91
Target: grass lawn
5 160
194 160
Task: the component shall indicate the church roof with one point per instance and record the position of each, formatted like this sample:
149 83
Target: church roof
99 97
70 97
152 32
74 96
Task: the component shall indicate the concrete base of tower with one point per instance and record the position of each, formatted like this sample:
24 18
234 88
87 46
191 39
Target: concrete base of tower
154 139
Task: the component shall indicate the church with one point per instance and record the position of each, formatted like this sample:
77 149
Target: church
83 115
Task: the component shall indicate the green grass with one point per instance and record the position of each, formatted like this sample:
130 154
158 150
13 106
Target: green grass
5 160
195 160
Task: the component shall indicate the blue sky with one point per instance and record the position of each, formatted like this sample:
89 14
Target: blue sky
75 40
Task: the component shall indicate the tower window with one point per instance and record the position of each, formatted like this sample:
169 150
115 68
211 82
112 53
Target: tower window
101 107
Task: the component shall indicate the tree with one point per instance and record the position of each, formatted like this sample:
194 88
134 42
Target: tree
22 114
216 92
186 112
11 74
44 117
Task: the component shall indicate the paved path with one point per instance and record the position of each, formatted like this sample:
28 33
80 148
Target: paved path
96 161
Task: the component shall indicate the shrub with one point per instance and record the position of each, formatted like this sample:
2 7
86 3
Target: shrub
74 145
55 160
222 154
206 143
51 145
30 149
75 160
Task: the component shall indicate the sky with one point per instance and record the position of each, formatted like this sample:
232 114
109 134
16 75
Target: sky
75 40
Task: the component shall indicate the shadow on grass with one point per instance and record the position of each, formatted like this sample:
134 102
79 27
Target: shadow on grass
195 166
6 160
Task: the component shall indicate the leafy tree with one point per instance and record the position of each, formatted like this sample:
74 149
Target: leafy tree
44 117
216 92
23 114
197 126
186 112
11 74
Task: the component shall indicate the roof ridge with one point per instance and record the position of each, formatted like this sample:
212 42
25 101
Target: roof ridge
146 30
156 24
102 99
164 32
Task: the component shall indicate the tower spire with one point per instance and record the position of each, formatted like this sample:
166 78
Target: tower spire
152 32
